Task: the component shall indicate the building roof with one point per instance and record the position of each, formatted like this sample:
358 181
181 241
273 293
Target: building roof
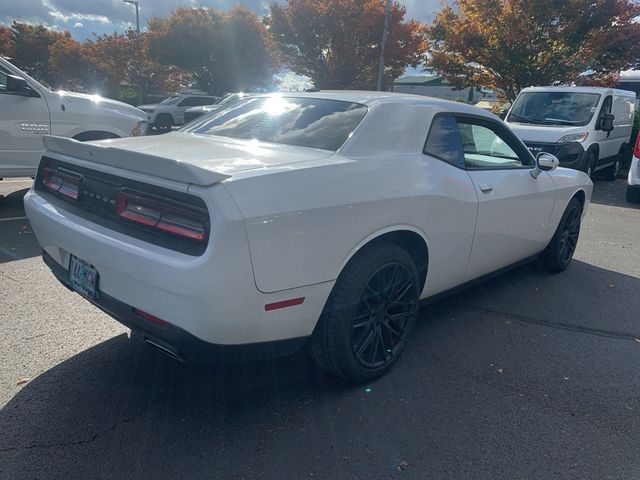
424 80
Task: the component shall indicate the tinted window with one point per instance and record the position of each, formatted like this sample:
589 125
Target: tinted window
554 108
444 141
3 80
485 147
306 122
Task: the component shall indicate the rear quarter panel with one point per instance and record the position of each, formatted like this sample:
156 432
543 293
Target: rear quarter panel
304 224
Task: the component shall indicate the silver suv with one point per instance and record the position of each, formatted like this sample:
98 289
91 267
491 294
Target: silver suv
170 111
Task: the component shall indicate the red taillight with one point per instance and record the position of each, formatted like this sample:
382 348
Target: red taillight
636 150
183 220
62 181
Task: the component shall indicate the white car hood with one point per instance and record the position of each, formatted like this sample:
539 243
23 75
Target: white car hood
99 102
544 133
185 157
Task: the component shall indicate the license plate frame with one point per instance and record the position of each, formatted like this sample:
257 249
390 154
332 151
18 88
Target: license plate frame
83 277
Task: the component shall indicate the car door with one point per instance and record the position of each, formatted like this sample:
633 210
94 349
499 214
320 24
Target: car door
188 102
23 121
606 140
513 207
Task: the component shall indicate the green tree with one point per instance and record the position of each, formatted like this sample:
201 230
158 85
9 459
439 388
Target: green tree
225 51
512 44
337 42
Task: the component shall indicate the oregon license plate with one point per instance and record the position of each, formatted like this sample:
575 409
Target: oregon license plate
83 277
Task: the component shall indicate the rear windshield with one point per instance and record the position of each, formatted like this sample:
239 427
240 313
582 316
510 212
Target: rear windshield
305 122
554 108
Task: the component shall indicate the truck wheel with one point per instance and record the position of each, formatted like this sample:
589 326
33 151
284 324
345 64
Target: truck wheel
94 135
611 173
558 254
369 315
163 122
590 164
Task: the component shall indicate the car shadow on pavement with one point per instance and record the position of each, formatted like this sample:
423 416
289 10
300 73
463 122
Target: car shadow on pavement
611 193
17 240
506 361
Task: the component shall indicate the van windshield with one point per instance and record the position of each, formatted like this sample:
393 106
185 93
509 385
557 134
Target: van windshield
554 108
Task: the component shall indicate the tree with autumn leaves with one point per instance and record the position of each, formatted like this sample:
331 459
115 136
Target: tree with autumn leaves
337 43
224 51
503 44
511 44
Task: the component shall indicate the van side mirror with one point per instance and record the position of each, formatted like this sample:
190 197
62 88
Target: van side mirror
19 86
545 162
606 122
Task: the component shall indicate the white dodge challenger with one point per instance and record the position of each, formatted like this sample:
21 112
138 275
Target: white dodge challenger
283 220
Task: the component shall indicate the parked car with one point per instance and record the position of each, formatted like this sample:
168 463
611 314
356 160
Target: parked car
169 112
192 113
312 218
29 110
587 128
633 178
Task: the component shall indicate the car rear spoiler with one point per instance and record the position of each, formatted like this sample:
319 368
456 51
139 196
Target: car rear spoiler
104 154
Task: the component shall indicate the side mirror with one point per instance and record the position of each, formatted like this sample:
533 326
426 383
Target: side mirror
545 162
19 86
606 122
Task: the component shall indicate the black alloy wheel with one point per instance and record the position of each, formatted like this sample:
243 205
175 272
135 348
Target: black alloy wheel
569 235
369 315
558 254
386 305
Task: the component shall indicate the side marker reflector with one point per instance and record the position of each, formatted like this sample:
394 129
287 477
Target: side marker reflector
151 318
283 304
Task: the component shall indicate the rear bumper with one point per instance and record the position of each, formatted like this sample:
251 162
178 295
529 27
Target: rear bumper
212 297
175 341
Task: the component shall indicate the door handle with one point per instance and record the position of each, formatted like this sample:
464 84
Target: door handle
486 188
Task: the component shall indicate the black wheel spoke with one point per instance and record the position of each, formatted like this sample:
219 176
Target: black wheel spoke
393 330
379 327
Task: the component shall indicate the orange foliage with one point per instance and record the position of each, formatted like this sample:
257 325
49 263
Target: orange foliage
512 44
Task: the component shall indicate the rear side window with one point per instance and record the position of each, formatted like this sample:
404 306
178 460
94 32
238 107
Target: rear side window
444 141
306 122
3 80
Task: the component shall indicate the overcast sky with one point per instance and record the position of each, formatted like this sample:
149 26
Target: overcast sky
84 17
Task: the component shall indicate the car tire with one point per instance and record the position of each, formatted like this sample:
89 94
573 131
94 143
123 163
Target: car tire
611 173
163 122
633 194
558 254
370 314
590 164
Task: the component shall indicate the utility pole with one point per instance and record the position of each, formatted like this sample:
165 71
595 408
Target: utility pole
385 34
138 53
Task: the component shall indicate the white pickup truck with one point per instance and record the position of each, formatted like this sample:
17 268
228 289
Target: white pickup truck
29 110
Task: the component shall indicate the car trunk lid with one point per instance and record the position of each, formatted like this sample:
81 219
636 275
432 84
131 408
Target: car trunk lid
184 157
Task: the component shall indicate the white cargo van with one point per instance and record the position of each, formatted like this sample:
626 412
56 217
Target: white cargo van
29 110
587 128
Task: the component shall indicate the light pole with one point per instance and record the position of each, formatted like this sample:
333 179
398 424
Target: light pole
385 33
139 60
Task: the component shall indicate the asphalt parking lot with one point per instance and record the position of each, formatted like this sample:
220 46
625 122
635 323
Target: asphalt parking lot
527 376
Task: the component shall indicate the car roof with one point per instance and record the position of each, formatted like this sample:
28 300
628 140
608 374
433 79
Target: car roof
371 98
600 90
